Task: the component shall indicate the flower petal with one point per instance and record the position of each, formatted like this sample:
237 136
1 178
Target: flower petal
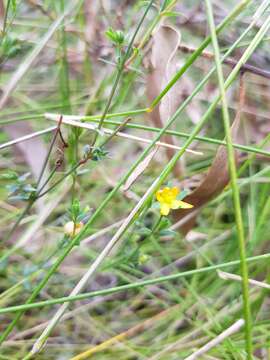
178 204
164 209
159 196
175 191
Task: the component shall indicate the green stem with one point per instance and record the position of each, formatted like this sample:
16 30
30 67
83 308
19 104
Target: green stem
16 224
5 19
69 172
235 189
120 70
205 139
131 286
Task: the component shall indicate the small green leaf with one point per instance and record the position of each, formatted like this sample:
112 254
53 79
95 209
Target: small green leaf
144 231
13 5
167 232
116 36
165 223
10 175
75 209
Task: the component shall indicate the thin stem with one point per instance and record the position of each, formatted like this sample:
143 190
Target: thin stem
16 224
120 127
49 151
235 189
74 168
120 70
33 200
134 285
5 18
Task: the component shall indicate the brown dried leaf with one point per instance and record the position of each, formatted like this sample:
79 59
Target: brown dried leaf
215 180
163 66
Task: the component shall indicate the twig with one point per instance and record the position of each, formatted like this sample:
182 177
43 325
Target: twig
67 120
229 61
57 131
228 276
217 340
27 137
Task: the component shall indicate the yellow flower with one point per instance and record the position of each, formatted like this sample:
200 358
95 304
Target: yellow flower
72 229
167 199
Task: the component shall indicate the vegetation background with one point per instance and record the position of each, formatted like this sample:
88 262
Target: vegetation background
102 104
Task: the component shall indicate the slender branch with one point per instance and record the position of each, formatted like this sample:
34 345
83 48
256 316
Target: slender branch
27 137
121 69
245 67
49 151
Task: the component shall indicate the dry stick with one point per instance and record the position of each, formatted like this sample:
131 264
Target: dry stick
68 120
228 276
217 340
246 148
229 61
27 137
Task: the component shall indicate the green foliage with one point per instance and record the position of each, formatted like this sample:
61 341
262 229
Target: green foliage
117 37
19 189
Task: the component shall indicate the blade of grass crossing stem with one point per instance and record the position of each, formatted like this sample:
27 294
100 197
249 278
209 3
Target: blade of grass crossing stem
233 178
147 196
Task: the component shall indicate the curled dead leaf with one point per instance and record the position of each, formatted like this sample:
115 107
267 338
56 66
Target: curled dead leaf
163 65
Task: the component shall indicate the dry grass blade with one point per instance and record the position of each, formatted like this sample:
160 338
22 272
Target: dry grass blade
217 340
140 169
228 276
68 120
